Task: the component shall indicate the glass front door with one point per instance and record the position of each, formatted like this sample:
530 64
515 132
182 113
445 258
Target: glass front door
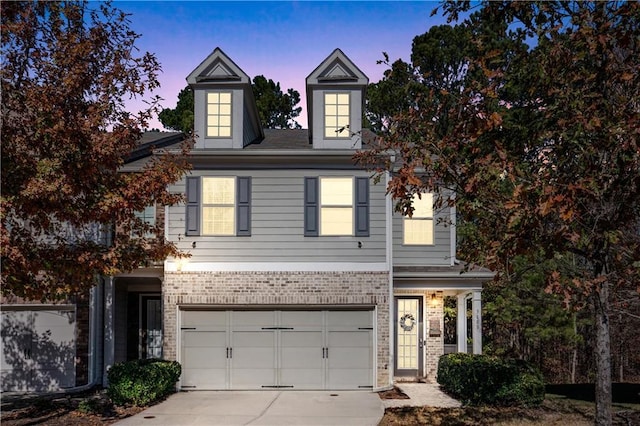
408 339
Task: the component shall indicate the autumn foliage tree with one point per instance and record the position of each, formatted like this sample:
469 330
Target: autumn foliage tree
542 152
67 70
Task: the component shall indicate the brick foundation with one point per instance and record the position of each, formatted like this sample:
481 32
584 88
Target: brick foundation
279 288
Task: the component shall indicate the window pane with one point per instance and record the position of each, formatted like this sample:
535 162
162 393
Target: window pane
225 98
336 221
336 191
212 109
343 110
343 98
225 121
213 98
330 109
330 98
212 131
218 190
218 221
225 109
423 207
214 121
418 231
225 131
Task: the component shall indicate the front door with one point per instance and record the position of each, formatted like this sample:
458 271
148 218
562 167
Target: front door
408 336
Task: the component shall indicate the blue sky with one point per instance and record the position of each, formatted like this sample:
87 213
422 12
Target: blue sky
283 41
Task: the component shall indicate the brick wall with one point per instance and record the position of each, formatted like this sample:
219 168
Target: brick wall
279 288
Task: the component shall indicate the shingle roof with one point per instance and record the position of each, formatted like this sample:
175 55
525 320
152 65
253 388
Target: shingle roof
296 139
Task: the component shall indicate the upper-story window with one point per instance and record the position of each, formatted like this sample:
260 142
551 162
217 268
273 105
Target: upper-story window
148 216
418 229
336 115
336 206
219 114
218 206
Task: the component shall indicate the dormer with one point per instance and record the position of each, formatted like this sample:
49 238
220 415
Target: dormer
335 103
225 112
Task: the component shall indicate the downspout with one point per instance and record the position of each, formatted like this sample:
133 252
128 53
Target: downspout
389 229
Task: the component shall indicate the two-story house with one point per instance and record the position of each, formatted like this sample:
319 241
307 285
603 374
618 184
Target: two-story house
300 275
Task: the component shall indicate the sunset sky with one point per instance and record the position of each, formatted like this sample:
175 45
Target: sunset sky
283 41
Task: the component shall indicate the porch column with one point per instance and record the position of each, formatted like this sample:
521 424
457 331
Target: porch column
461 326
476 321
109 348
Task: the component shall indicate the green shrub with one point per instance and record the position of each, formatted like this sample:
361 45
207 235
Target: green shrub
482 379
141 382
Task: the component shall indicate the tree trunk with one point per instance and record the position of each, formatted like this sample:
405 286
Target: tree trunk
574 359
603 355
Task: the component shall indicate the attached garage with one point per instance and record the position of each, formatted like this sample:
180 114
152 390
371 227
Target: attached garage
38 347
277 349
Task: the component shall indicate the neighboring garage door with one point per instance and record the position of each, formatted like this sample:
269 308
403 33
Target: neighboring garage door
329 349
38 348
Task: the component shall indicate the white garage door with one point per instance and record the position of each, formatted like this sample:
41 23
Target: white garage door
38 348
277 349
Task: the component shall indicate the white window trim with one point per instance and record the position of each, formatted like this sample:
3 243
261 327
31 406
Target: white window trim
345 134
336 206
206 115
419 218
204 205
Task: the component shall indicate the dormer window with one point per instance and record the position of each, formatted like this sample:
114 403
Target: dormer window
218 114
336 115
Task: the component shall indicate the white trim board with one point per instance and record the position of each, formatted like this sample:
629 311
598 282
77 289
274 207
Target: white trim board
186 266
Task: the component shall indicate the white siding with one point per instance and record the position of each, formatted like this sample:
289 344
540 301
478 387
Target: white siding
277 224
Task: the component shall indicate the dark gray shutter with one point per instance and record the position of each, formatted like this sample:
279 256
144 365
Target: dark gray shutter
311 207
362 207
243 206
192 218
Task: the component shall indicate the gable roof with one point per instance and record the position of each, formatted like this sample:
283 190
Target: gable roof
218 68
336 71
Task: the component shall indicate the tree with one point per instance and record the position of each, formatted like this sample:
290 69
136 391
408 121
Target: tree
67 69
543 155
277 110
179 118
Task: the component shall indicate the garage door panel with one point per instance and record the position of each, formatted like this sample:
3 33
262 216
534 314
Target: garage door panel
349 357
204 319
252 378
204 359
353 319
350 338
195 339
253 318
301 318
350 378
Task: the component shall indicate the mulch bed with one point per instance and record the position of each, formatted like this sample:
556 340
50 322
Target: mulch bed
394 393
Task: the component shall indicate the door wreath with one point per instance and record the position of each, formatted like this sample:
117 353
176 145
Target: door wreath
407 321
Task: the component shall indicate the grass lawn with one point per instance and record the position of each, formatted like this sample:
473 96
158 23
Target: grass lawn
555 410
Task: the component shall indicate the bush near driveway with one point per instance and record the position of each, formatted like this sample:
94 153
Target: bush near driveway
483 379
143 381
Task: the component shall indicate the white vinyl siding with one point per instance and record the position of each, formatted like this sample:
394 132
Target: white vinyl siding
218 206
336 206
418 229
219 114
336 115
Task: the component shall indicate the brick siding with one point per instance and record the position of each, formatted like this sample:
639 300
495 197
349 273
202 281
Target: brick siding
279 289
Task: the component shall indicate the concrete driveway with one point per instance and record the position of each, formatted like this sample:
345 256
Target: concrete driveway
264 408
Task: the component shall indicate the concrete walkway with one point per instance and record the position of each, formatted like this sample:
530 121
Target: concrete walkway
263 408
422 394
